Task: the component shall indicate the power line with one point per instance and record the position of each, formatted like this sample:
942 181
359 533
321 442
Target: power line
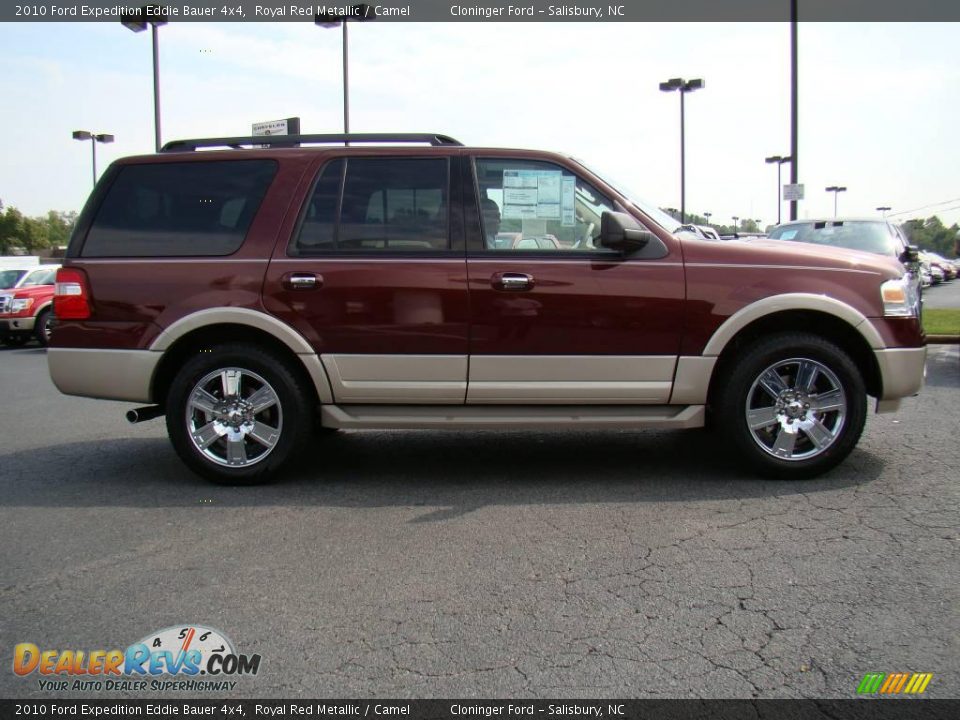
907 212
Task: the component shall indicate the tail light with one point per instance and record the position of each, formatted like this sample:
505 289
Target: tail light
71 298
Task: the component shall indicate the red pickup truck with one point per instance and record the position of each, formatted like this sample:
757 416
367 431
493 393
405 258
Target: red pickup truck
26 311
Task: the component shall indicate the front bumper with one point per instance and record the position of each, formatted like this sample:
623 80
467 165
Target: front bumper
901 371
10 326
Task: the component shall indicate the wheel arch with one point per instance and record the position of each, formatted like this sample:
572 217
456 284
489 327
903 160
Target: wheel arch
206 328
840 324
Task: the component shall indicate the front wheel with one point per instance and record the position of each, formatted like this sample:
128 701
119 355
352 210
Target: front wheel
43 327
794 404
236 414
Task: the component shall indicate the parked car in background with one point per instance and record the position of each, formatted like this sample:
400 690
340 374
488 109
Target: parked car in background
9 277
26 310
872 235
948 269
935 266
14 267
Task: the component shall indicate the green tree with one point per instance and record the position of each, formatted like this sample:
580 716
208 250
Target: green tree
11 224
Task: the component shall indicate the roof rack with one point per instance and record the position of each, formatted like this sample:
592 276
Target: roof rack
297 140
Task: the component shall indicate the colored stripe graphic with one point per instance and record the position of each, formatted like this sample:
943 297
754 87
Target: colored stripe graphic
894 683
870 683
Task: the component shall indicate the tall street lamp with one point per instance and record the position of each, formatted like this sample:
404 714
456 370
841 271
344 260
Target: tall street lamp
836 190
332 20
708 215
884 209
94 138
736 226
684 87
779 160
154 16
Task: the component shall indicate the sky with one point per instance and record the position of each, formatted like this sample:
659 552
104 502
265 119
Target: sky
879 107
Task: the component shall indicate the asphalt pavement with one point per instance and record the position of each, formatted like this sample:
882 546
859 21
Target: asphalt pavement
944 295
431 564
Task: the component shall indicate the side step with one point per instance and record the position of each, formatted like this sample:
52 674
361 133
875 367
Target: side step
511 417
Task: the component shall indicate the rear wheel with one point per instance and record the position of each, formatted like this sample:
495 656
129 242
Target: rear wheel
237 414
794 404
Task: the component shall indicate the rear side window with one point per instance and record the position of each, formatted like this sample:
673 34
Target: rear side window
192 208
377 204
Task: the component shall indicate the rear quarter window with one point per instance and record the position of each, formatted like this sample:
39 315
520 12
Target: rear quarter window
169 209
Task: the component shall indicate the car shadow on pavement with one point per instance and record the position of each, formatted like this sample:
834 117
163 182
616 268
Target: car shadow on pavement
452 473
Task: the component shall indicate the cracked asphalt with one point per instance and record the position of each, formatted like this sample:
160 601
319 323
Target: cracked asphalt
418 564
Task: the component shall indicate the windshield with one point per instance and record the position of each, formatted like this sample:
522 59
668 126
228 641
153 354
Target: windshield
8 278
40 277
863 235
664 220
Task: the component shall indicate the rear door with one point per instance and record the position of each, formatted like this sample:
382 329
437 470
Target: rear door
554 317
374 276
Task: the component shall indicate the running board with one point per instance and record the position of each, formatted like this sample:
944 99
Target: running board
511 417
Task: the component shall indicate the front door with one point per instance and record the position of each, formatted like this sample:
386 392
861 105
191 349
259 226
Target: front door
554 318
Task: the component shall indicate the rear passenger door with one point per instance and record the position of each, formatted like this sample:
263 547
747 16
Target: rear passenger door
374 276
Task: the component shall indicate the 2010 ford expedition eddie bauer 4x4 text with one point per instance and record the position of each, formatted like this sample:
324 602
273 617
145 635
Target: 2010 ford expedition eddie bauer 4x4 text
406 281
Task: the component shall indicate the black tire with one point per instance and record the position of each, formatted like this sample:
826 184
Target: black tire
42 326
792 437
289 418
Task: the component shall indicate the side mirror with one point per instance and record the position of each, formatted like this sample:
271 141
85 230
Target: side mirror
619 231
910 254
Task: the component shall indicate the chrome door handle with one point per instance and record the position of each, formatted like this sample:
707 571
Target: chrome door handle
511 281
302 281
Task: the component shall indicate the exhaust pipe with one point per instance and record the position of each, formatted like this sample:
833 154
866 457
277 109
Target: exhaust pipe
144 413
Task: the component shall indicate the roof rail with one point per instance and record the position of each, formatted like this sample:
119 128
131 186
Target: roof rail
297 140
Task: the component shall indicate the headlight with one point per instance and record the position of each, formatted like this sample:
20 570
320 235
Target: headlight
20 304
900 298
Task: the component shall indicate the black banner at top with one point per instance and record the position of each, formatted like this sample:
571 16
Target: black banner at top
485 11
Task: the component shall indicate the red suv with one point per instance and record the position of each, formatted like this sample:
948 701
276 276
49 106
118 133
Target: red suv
255 294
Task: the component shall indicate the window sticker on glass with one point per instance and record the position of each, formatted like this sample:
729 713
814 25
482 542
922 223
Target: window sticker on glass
567 190
531 194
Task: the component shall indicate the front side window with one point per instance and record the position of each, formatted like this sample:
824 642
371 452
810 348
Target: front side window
535 205
185 208
377 204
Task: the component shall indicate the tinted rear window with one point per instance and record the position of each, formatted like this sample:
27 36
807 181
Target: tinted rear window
191 208
864 235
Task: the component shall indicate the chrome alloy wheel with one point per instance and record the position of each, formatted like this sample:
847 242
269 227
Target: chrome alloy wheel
234 417
796 409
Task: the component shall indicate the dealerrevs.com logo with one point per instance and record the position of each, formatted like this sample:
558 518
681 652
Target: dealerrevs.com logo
191 658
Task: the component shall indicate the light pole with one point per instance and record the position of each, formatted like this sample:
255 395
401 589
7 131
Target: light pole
736 227
779 160
154 16
708 215
836 190
884 209
94 138
684 87
332 20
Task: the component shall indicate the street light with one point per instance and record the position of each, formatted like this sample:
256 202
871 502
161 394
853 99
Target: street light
736 227
94 138
708 215
332 20
684 87
884 209
154 16
835 189
779 160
